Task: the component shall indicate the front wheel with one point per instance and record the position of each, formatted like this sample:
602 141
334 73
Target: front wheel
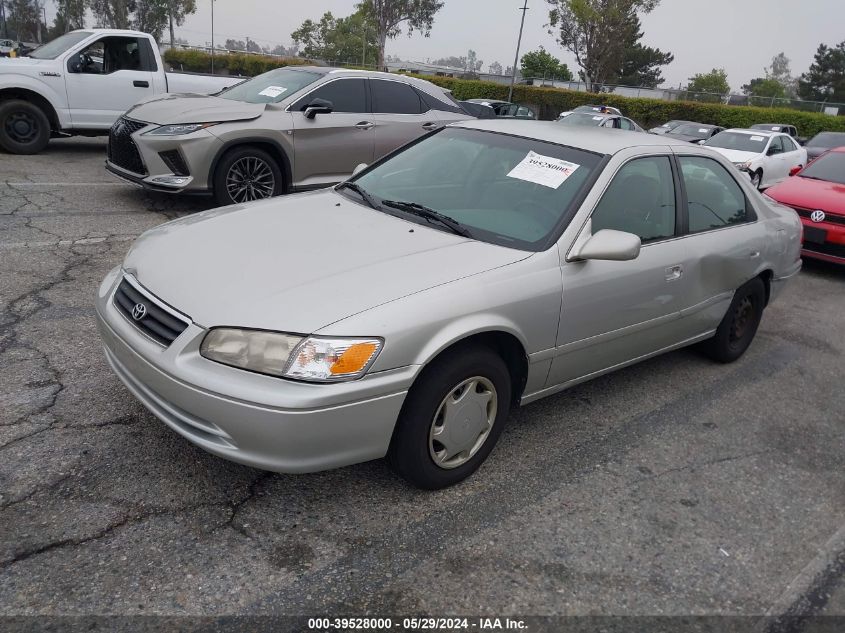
757 179
24 128
739 325
246 174
452 418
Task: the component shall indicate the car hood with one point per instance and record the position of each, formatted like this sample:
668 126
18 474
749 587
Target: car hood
736 156
192 108
13 64
810 194
299 263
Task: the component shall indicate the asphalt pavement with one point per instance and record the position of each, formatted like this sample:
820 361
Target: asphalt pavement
676 487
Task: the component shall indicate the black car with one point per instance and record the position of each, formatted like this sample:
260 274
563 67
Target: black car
822 142
478 110
694 132
668 127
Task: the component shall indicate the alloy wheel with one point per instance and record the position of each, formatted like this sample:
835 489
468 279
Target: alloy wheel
250 178
463 422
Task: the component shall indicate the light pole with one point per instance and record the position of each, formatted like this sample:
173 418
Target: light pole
518 44
212 37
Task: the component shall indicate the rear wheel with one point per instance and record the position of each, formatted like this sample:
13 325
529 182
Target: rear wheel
246 174
452 418
739 325
24 128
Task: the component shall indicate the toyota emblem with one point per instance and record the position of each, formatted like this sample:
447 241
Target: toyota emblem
139 311
817 216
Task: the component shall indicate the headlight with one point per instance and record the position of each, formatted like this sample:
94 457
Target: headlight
315 358
179 129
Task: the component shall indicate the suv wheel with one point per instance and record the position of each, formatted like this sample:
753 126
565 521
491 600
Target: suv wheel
246 174
24 128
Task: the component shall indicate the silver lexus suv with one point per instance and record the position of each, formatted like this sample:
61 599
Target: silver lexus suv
290 129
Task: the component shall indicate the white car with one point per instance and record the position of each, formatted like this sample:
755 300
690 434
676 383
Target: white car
767 157
6 47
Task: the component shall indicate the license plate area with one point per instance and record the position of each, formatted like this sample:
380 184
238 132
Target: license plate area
814 235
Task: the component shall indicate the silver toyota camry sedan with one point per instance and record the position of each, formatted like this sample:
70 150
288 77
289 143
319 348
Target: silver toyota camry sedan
403 312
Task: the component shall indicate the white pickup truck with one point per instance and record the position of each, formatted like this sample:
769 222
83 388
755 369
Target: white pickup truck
81 82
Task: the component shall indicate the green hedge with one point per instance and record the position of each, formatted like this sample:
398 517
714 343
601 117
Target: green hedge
242 64
550 102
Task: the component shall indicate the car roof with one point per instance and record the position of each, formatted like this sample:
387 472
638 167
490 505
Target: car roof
593 139
758 126
490 101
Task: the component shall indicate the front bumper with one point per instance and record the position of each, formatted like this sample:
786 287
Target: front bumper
257 420
196 150
832 249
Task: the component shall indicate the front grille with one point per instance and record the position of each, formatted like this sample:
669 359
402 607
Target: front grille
155 321
827 248
833 219
175 163
122 149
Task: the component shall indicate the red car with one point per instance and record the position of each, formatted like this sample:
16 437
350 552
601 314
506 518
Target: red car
817 193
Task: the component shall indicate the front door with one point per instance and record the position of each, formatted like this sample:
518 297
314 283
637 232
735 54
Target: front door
106 78
613 312
328 147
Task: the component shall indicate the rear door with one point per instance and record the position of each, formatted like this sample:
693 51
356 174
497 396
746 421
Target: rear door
107 77
401 115
328 147
722 242
795 156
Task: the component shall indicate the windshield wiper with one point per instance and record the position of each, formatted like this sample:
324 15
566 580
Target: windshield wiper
429 214
361 192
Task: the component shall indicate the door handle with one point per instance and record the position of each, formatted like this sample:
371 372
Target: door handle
365 125
141 84
754 254
674 272
430 125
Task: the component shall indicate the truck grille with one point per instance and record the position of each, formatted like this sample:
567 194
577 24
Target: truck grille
122 149
148 314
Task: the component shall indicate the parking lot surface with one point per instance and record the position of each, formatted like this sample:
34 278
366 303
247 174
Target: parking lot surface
676 487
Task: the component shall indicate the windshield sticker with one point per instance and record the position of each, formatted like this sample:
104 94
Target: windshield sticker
597 118
759 139
543 170
272 91
702 130
775 129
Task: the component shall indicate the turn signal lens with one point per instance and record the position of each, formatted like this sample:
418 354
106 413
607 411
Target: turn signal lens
331 359
354 359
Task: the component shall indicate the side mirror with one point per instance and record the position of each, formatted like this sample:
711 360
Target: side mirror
795 170
318 106
359 168
772 151
611 245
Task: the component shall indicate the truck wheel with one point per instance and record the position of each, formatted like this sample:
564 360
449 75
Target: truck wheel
24 128
246 174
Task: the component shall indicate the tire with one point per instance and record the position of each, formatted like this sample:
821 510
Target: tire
239 164
467 376
757 179
739 325
24 128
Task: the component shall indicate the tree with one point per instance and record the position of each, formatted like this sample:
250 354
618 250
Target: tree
541 63
595 31
234 45
473 64
641 65
451 62
112 14
715 82
825 81
495 68
763 87
344 40
388 15
70 15
177 11
23 19
151 16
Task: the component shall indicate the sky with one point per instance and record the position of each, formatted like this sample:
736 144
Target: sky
740 36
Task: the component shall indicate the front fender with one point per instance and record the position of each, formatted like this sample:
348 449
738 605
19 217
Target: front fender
50 88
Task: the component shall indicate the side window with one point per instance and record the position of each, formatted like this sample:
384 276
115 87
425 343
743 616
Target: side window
775 147
714 198
346 95
89 60
788 144
393 97
626 124
112 54
639 200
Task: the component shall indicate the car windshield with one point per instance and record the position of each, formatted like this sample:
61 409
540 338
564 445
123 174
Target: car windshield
827 140
582 119
739 141
829 167
53 49
692 129
502 189
589 108
271 87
